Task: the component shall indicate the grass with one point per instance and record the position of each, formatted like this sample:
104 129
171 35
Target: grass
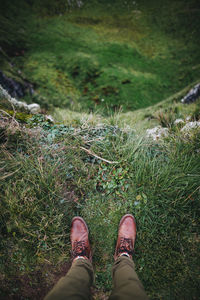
140 119
93 59
45 170
106 72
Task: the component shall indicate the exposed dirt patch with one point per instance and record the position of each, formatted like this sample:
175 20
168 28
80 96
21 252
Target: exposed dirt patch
33 285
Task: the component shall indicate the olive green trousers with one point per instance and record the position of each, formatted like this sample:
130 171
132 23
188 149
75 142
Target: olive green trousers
76 284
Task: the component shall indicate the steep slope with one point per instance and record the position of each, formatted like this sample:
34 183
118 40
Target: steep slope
50 172
106 71
109 56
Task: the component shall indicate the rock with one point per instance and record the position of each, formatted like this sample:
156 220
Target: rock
179 121
14 88
7 100
20 104
157 132
49 118
193 94
191 125
34 108
188 118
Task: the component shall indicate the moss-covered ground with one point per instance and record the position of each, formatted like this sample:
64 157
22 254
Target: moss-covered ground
106 72
47 177
108 56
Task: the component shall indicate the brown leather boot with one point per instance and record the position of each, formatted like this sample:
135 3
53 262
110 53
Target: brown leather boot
126 237
79 239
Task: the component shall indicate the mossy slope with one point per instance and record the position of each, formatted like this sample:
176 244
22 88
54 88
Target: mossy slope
109 56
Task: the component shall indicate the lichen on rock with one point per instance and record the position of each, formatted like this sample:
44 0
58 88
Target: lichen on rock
157 132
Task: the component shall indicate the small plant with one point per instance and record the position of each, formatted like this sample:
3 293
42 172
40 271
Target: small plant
165 120
167 117
113 180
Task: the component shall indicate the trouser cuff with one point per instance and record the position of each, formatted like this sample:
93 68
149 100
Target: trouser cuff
87 265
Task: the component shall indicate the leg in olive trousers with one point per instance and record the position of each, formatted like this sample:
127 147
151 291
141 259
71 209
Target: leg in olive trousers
76 284
127 285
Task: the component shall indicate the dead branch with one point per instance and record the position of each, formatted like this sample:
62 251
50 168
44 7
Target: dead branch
103 159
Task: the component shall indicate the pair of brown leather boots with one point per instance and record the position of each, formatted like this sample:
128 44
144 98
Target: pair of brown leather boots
125 241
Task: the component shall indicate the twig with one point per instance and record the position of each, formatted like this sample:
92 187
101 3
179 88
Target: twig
93 154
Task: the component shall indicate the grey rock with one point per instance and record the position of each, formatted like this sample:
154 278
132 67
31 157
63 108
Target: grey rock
188 118
192 95
179 121
11 101
191 125
14 88
157 132
50 118
34 108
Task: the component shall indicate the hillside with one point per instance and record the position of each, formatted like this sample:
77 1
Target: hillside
106 71
102 56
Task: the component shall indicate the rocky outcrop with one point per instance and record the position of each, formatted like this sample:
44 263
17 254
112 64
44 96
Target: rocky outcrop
6 99
159 132
193 94
14 88
191 125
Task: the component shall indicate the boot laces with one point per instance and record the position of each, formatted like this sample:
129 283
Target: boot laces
80 249
126 245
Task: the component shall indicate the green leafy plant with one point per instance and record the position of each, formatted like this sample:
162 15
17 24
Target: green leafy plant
113 180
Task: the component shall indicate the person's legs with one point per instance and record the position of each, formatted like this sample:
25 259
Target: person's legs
127 285
76 284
